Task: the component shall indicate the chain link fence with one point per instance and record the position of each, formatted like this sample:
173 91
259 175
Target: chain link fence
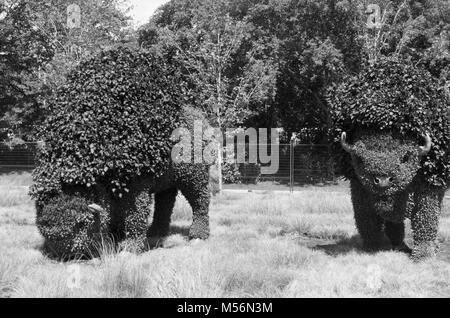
298 165
17 157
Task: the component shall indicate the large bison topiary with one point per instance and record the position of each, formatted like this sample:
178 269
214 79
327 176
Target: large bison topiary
392 127
108 149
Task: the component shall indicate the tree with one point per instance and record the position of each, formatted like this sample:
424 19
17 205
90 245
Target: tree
316 46
225 67
418 30
23 49
103 25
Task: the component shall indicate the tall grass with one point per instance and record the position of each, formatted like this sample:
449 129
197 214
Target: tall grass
8 275
10 197
14 189
16 179
123 275
262 245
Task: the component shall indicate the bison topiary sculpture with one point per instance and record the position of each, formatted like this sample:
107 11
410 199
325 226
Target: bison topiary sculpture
108 142
392 128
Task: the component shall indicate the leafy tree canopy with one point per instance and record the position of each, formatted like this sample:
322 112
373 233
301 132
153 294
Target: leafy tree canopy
23 49
43 49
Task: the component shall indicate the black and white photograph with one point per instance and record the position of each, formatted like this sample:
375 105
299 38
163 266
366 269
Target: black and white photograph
224 156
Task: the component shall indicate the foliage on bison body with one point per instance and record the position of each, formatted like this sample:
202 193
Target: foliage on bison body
111 121
395 96
69 227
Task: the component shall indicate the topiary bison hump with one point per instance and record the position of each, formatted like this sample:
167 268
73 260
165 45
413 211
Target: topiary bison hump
114 117
108 141
392 135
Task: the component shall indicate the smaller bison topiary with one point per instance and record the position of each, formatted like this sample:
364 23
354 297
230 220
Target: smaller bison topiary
397 154
108 150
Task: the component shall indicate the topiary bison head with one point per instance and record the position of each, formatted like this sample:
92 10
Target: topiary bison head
385 164
71 227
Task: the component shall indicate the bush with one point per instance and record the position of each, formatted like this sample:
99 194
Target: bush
393 95
318 166
111 122
250 173
70 229
231 173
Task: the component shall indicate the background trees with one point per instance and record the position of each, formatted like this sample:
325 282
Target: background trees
39 49
227 67
259 63
318 46
24 48
417 30
273 59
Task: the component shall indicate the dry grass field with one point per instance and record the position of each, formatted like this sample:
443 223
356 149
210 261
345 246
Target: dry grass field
262 245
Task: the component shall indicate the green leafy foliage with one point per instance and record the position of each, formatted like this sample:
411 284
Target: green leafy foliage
394 95
111 122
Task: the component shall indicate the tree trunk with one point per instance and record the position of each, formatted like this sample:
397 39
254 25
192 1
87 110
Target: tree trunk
219 166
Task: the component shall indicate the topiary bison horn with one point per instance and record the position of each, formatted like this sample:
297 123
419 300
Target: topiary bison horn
424 150
344 143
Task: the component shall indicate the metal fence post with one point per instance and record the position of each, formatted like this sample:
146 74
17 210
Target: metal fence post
291 159
292 162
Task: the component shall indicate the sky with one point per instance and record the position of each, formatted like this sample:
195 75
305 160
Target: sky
143 9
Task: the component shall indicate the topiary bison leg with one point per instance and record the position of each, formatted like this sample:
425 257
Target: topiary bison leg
396 234
368 223
136 208
425 221
194 185
164 203
199 201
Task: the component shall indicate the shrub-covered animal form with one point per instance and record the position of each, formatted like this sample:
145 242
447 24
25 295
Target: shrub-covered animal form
108 149
397 154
